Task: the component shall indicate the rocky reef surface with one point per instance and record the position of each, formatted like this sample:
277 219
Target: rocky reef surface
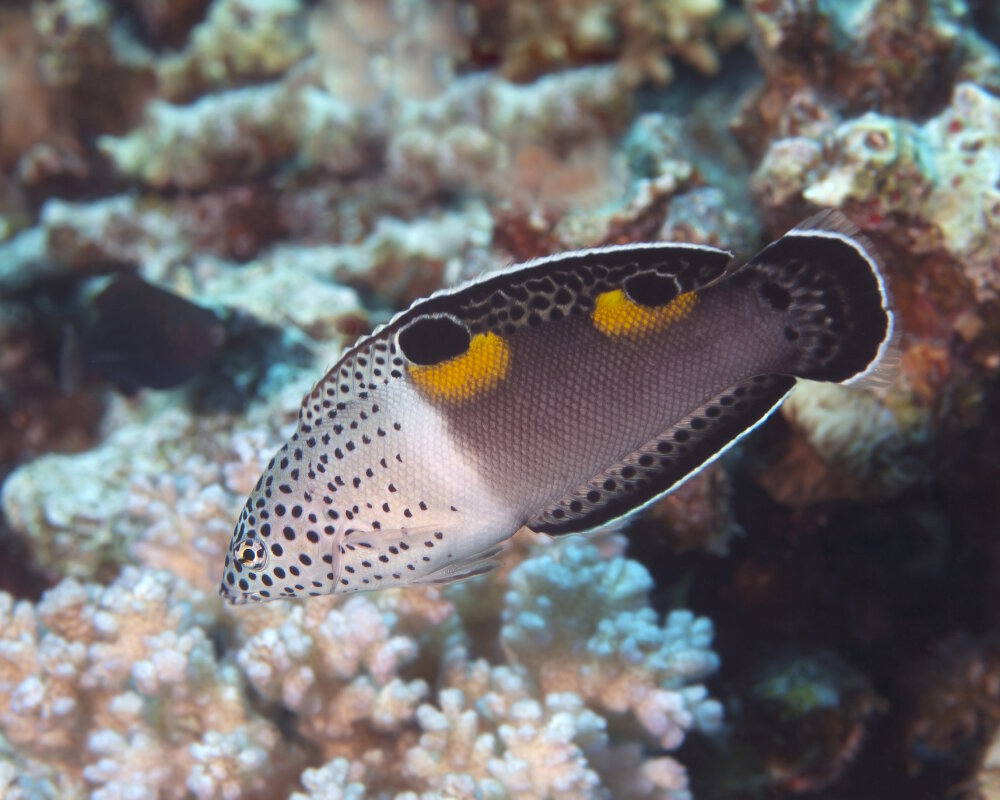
291 172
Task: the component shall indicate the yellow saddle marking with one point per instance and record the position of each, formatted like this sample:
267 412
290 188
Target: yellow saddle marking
465 377
615 314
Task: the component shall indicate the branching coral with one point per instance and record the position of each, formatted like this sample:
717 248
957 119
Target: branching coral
536 750
338 779
154 491
463 139
119 688
337 667
581 624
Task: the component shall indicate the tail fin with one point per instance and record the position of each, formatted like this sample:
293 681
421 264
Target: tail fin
828 277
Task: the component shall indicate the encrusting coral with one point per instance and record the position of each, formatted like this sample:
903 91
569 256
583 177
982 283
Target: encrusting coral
927 192
930 187
897 55
849 443
240 41
530 38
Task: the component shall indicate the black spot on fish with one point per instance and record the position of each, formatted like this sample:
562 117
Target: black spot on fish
431 340
650 289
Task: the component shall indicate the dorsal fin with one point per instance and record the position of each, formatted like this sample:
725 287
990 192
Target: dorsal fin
668 459
524 295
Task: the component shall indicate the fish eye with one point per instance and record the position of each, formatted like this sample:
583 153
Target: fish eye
252 555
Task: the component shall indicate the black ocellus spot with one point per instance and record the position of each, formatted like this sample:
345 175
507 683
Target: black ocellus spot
650 289
431 340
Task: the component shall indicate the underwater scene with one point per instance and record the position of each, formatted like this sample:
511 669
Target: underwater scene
214 215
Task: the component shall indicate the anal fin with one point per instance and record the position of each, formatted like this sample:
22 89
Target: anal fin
454 572
668 459
426 554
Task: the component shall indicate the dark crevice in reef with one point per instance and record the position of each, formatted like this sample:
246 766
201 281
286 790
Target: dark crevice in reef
889 608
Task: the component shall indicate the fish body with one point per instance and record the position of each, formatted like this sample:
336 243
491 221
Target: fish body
559 394
140 335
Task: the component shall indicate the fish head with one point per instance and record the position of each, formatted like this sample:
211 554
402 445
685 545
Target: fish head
284 544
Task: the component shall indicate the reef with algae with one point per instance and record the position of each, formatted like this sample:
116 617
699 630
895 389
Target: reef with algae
312 166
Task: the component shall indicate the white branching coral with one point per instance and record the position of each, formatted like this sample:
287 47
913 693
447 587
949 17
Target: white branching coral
336 664
338 779
119 688
581 623
519 749
466 138
149 497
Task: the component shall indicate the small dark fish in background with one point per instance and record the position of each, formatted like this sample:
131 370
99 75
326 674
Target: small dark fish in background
138 335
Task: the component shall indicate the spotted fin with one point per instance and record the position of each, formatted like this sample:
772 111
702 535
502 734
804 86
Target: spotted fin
370 558
667 460
453 572
825 275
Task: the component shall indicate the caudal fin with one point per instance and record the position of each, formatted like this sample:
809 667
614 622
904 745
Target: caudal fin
827 276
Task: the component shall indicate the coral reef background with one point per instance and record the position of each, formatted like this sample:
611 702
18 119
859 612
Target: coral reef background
203 201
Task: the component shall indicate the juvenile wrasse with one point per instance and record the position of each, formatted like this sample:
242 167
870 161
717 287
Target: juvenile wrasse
558 394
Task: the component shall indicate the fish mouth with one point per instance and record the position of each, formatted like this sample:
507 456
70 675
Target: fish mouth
236 598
